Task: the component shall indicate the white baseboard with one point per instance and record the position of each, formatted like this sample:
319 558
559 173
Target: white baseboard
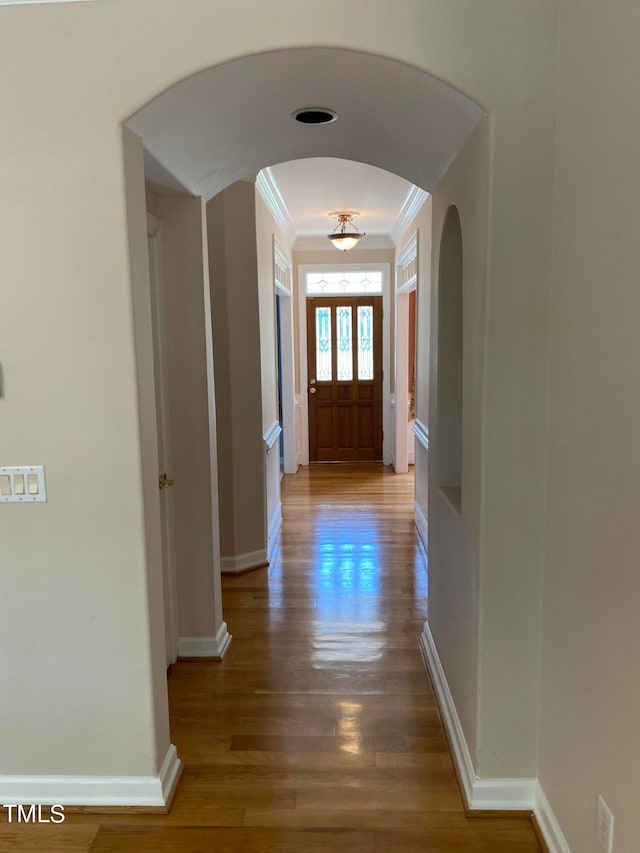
480 794
411 457
151 791
548 824
243 562
421 523
448 712
274 528
205 647
503 794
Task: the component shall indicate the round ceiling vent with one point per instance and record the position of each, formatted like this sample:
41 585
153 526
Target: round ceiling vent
314 115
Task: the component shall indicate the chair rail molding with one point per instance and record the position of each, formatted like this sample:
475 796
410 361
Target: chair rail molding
421 432
271 436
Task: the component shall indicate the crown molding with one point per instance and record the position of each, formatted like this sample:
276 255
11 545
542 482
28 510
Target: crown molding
409 210
409 251
267 186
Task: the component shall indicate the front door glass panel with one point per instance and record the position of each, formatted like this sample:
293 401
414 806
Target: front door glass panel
344 344
324 371
365 342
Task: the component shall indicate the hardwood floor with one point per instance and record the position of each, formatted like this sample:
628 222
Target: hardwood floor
319 731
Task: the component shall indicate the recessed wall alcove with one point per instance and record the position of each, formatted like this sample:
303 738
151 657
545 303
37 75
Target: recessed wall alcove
450 335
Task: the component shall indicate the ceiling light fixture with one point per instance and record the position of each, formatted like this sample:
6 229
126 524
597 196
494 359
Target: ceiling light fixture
341 238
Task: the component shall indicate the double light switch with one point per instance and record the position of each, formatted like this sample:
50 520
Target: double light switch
22 484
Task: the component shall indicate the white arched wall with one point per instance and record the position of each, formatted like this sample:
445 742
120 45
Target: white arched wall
86 637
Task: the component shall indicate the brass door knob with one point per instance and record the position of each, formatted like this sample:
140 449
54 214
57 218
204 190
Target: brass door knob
312 390
164 482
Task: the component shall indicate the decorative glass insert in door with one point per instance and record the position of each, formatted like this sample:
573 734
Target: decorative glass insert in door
323 345
365 342
344 283
344 343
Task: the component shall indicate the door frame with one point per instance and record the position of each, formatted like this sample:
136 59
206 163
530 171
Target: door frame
169 578
283 288
406 282
303 399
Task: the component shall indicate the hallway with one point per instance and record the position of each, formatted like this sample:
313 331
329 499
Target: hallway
319 731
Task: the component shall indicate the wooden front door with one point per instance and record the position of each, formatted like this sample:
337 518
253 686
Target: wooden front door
344 354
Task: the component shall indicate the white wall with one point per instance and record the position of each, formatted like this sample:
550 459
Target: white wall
590 691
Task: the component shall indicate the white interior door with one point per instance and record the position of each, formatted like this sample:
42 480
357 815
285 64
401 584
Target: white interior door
164 440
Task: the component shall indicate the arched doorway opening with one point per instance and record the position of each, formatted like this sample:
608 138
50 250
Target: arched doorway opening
216 131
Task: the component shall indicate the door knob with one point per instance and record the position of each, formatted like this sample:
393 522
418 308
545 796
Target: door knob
164 482
312 390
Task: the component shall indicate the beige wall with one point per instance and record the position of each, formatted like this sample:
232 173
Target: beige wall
455 606
231 223
590 691
184 274
60 126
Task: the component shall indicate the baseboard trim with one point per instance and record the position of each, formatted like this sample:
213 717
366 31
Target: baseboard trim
422 525
546 823
205 647
480 795
99 793
449 715
244 562
274 528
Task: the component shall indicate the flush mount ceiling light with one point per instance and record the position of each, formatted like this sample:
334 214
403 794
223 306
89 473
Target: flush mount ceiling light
341 238
314 115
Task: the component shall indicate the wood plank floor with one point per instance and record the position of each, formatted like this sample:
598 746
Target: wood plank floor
319 731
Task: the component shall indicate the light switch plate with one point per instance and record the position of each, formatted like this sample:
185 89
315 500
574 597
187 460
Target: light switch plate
36 492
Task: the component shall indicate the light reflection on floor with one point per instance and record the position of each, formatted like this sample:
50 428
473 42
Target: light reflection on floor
346 583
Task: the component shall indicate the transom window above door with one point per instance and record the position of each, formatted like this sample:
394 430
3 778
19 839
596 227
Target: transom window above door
343 282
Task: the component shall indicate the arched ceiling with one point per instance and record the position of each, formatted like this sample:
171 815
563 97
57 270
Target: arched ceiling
232 120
